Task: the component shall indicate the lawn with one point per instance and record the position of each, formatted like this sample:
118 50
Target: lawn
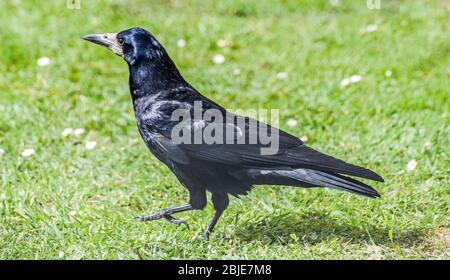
72 199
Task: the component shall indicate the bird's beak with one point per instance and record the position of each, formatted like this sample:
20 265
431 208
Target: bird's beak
108 40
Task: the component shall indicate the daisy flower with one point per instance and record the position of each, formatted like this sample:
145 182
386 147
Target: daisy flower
27 152
218 59
90 145
411 165
43 61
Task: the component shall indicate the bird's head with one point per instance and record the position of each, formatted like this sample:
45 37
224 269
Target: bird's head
132 44
151 68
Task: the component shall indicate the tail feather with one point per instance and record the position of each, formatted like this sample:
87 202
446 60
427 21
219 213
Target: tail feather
312 178
340 182
309 157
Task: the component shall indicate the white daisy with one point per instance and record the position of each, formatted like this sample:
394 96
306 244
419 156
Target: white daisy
351 80
61 255
78 132
66 132
90 145
181 43
43 61
411 165
292 123
388 73
371 28
222 43
282 76
345 82
355 79
27 152
236 71
334 2
218 59
2 152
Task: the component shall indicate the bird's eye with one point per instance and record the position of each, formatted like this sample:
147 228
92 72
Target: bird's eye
120 41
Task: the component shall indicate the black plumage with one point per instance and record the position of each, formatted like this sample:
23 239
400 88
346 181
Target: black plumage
158 89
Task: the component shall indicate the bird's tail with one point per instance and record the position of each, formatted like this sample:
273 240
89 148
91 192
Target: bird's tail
337 181
315 178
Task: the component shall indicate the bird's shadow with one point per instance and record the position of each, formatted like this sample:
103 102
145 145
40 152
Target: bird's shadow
314 228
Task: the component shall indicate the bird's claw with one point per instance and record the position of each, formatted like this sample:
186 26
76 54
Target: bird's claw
158 216
176 221
205 236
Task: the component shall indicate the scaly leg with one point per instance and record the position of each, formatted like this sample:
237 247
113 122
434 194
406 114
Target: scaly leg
220 202
212 224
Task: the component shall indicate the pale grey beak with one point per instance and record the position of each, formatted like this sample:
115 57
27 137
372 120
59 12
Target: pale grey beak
108 40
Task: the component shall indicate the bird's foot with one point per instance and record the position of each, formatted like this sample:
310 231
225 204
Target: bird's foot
176 221
160 215
206 235
226 238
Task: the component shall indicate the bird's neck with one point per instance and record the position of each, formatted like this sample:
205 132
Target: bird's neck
149 78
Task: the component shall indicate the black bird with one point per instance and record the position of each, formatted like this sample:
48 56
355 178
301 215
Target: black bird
158 90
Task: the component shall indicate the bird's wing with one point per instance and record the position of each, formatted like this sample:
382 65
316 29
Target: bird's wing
291 152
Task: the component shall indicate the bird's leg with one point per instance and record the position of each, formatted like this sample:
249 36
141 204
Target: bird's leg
167 214
212 224
220 202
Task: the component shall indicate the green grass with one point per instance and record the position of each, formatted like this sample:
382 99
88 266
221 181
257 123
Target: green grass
69 202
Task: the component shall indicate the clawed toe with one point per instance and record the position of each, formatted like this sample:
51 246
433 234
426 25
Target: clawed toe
176 221
167 214
226 238
206 236
169 218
